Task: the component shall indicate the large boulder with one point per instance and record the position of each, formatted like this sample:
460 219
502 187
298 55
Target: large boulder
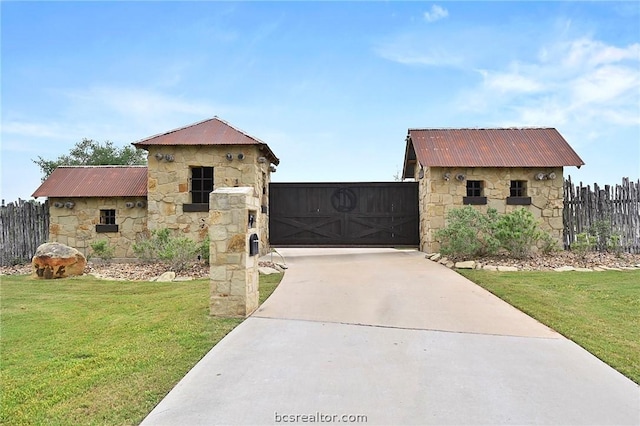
55 260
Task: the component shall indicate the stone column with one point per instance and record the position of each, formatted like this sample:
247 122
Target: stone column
234 272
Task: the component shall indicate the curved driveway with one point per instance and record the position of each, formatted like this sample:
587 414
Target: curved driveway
386 336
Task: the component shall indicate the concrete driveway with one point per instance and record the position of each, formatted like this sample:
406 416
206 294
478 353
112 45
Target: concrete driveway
385 337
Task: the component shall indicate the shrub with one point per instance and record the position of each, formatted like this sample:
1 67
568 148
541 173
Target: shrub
518 232
582 245
469 233
548 243
161 245
603 237
102 249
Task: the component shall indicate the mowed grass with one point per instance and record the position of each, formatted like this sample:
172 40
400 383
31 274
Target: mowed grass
83 351
600 311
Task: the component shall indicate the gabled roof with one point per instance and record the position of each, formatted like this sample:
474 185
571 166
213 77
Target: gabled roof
213 131
513 147
95 181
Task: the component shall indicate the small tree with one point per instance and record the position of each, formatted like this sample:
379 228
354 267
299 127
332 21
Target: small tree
91 153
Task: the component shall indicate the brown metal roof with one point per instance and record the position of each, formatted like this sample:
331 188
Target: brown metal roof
95 181
526 147
213 131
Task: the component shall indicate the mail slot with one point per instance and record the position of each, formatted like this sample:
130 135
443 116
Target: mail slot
254 245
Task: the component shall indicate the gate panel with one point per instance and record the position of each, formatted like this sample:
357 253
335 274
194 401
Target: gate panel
344 214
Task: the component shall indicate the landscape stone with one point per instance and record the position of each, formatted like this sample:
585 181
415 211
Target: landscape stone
492 268
435 257
564 269
166 277
449 264
507 269
468 264
56 260
265 270
599 269
584 270
443 261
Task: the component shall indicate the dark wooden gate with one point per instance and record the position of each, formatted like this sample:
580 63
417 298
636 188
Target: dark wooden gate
344 214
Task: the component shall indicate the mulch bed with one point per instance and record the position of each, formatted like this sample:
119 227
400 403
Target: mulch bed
147 271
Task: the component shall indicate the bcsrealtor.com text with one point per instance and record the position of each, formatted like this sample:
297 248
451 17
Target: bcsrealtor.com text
319 417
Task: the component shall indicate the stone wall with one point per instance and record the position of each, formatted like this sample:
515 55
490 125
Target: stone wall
76 227
438 196
169 185
234 272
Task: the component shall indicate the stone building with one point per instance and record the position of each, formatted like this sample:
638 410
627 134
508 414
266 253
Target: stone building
500 168
120 203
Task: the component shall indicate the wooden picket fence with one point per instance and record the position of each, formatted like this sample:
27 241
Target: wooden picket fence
618 206
24 225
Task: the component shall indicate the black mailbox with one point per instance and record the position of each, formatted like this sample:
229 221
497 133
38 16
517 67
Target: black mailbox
254 246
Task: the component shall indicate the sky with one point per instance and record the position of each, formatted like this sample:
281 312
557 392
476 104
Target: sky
331 87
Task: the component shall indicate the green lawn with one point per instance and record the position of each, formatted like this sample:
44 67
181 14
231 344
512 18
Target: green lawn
86 351
600 311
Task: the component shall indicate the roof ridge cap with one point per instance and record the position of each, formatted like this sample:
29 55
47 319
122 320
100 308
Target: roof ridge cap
215 117
484 128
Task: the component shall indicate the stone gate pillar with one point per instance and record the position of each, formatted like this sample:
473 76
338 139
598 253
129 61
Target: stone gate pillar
233 230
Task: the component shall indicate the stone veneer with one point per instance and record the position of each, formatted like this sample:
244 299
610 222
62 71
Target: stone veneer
169 185
234 273
437 196
76 227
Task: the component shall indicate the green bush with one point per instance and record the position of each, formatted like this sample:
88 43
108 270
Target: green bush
603 237
102 249
178 252
518 232
582 245
468 234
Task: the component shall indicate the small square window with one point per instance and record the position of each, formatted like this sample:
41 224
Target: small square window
474 188
201 184
107 221
518 188
107 217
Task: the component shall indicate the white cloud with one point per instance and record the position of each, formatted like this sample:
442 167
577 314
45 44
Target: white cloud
511 82
436 13
418 49
138 102
581 81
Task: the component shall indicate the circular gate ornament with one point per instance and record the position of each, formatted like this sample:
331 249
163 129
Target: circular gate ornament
344 200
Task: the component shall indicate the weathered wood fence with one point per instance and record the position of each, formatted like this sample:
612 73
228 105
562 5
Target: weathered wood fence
24 225
617 205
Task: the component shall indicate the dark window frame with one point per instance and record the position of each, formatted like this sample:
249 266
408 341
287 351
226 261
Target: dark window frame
107 221
201 179
518 188
518 193
107 216
475 188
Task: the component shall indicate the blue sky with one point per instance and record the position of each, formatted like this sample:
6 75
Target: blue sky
332 87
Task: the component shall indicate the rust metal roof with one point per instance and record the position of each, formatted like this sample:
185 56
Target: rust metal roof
95 181
513 147
213 131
